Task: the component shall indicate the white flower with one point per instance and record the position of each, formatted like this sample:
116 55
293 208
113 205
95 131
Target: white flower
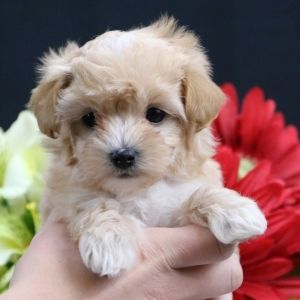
21 160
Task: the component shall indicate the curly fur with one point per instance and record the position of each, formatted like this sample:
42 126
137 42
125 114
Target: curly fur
118 75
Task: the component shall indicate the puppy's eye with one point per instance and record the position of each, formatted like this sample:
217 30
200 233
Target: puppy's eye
155 115
89 119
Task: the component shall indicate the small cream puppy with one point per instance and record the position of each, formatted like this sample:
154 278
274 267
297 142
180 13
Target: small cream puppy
129 115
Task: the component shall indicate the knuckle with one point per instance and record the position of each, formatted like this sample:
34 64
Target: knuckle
223 251
157 294
161 257
236 275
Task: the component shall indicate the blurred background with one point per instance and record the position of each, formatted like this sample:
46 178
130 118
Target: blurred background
249 42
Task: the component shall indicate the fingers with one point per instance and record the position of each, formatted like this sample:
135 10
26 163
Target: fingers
224 297
53 250
182 247
208 281
47 247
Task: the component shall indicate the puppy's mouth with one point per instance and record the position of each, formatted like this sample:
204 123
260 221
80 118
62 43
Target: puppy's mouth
126 174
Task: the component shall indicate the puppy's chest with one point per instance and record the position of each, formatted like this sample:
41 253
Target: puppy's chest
160 205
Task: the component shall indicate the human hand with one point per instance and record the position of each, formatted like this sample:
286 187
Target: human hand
174 263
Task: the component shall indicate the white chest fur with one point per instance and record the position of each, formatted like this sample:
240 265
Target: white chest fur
160 204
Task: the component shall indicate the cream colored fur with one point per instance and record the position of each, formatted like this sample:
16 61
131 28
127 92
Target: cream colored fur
118 75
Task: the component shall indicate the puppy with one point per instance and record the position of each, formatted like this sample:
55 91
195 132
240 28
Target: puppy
129 115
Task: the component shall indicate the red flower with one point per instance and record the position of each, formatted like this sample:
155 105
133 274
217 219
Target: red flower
260 158
258 132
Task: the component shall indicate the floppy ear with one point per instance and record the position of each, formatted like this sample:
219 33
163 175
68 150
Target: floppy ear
43 101
55 75
202 99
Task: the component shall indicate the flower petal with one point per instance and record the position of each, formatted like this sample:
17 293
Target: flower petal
255 116
270 196
229 162
14 236
281 220
17 179
289 286
5 278
287 165
269 269
226 123
286 236
259 291
23 133
255 179
276 140
256 250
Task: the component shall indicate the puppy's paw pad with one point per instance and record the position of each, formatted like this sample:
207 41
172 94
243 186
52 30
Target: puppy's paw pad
239 223
106 254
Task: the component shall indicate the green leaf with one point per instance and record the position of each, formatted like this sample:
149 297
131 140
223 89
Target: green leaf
5 279
14 236
28 221
33 208
3 270
31 217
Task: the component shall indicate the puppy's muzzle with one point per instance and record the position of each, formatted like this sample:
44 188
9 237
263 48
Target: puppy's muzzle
123 158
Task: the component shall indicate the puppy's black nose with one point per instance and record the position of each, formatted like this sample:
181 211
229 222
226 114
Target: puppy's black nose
123 158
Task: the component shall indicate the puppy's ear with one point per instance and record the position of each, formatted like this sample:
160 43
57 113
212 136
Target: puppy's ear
202 97
55 75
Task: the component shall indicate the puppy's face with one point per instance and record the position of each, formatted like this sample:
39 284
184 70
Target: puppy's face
126 131
124 106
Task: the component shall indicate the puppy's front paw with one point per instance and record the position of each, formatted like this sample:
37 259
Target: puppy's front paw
231 217
108 253
239 223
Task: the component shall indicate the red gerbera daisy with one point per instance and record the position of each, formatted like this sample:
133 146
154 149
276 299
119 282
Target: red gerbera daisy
258 132
260 158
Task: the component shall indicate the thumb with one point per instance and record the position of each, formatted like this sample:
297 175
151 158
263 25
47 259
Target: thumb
186 246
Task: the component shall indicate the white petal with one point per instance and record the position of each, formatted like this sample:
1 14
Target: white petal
1 138
5 255
23 133
17 179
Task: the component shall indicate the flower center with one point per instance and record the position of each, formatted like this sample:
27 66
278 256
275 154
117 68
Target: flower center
246 165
